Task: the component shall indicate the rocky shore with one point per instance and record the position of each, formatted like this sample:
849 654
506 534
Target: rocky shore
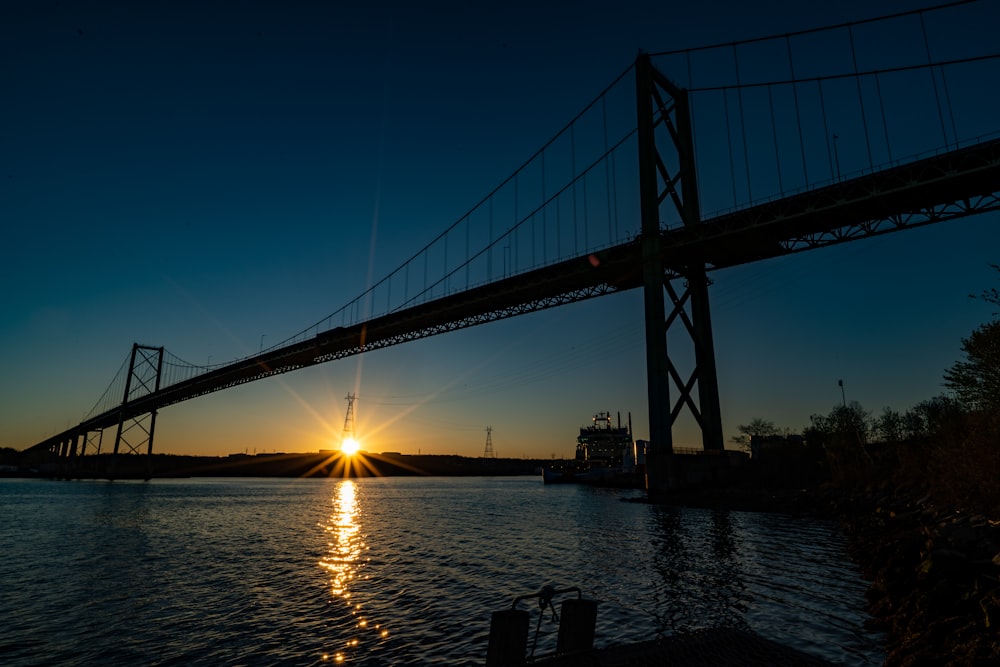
934 568
934 572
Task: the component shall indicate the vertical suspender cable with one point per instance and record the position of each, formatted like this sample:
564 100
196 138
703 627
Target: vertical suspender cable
558 227
947 99
694 141
774 134
861 98
826 128
885 127
517 225
798 115
489 255
607 169
614 193
729 140
937 97
586 220
544 210
743 125
572 160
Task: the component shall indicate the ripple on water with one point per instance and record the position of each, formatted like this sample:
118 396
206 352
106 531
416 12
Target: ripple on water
393 571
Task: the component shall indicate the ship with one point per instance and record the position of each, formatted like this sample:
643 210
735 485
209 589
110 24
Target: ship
605 454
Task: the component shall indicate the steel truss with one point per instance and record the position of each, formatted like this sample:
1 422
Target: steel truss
894 223
137 429
669 175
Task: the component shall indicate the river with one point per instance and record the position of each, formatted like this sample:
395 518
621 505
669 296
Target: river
394 571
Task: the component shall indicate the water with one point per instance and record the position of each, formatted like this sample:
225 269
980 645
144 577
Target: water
393 571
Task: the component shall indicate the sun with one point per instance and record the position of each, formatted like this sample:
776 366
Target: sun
350 446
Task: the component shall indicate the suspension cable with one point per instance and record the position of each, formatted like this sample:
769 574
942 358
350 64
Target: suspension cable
849 75
729 141
885 126
861 97
826 127
743 125
798 115
809 31
937 98
774 135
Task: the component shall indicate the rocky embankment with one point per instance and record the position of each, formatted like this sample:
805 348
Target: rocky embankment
935 573
934 568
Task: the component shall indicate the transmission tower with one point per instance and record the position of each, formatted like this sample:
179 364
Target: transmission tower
488 452
349 420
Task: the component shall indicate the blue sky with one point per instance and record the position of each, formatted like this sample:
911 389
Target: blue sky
214 176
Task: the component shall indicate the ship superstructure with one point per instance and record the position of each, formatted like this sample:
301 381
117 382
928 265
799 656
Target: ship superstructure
602 443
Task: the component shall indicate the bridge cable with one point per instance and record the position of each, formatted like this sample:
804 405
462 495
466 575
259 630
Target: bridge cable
850 75
798 116
729 140
826 129
489 258
108 391
514 231
861 97
807 31
586 216
558 227
885 126
937 98
607 172
947 99
694 133
545 225
513 252
743 125
774 135
483 200
572 158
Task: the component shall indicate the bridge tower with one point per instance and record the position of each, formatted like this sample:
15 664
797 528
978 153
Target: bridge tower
136 429
669 175
488 452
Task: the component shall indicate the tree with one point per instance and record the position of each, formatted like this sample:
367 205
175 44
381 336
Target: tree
851 423
976 380
890 426
991 295
932 418
757 428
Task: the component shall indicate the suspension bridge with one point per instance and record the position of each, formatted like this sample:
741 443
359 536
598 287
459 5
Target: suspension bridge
793 142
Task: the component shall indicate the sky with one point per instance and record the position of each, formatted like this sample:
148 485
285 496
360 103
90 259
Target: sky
215 177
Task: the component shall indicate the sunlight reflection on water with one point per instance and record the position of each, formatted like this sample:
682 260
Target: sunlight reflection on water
313 572
344 562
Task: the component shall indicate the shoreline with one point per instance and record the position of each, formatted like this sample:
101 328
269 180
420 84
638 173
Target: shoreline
933 569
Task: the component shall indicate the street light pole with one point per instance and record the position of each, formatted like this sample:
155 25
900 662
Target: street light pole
261 343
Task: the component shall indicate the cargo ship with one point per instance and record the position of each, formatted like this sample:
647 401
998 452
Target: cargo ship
605 453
